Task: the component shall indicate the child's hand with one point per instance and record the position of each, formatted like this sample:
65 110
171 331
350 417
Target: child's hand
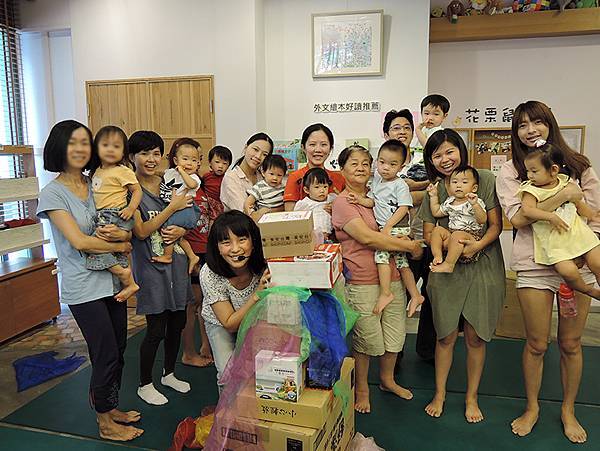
180 201
327 207
180 169
127 213
558 223
432 190
353 198
421 125
265 280
472 198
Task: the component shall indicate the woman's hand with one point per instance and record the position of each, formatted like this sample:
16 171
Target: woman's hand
327 207
124 248
472 246
112 233
172 233
180 201
572 192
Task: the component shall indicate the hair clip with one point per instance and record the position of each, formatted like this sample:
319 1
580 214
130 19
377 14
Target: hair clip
540 142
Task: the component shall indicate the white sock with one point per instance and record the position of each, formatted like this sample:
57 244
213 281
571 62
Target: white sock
171 381
151 395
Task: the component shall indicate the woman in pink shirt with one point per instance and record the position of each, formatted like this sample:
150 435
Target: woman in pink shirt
537 284
245 172
355 227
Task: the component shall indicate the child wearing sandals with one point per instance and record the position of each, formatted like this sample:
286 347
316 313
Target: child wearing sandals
390 199
466 218
112 181
560 236
181 178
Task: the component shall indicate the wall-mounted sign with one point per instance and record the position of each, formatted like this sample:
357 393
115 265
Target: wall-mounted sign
347 107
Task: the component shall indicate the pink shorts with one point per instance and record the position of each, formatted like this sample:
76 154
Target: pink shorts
550 282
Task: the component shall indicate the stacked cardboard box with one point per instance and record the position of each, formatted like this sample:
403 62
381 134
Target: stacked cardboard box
317 422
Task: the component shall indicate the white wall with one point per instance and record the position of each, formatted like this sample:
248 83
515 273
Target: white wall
291 91
561 72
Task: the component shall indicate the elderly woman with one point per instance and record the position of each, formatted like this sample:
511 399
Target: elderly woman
355 227
474 292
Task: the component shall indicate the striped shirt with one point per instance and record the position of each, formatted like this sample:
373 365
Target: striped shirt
267 196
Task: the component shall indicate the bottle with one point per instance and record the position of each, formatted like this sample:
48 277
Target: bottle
567 306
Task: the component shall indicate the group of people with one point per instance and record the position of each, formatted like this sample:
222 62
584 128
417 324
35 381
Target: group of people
187 244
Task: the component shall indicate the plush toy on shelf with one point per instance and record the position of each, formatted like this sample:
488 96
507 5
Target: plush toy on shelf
437 12
493 7
454 10
526 6
587 3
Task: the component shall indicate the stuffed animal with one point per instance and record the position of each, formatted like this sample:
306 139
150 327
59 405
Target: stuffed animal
454 10
493 7
587 3
563 4
437 12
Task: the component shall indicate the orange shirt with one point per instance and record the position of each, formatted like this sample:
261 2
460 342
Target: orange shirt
293 188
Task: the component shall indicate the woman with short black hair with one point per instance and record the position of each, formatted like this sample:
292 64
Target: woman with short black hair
68 203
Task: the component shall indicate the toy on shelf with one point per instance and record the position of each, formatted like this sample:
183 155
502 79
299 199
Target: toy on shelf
587 4
477 8
454 10
493 7
437 12
527 6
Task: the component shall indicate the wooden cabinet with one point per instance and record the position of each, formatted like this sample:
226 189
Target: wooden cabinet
28 295
173 107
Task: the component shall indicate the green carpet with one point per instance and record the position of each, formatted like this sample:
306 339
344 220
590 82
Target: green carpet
502 375
397 425
14 439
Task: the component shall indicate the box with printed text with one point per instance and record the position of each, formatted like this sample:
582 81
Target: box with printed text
321 269
287 233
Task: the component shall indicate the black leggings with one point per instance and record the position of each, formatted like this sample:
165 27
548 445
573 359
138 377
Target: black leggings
103 323
165 326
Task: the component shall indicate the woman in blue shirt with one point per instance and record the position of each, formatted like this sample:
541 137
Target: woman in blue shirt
68 203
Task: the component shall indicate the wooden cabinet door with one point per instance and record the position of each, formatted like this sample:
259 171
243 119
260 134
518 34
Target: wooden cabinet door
124 104
7 318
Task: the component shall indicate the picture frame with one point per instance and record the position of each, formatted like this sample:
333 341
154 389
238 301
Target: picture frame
347 44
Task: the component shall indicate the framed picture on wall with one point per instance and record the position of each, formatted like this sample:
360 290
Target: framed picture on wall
347 44
574 135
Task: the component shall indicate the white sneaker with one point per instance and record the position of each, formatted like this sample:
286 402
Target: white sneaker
171 381
151 395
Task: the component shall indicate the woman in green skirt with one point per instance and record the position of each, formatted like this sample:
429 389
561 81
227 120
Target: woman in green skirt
472 295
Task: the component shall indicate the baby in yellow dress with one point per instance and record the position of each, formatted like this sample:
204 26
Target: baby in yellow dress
560 236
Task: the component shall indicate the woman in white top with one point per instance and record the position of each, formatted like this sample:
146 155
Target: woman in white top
244 174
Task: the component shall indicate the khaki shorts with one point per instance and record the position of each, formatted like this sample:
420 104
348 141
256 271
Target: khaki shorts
376 334
550 282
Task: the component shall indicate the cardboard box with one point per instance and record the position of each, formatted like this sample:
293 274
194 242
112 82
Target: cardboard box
313 407
321 269
278 376
287 233
511 319
335 435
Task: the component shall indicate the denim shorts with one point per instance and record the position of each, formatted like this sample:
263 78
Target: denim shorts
100 262
186 218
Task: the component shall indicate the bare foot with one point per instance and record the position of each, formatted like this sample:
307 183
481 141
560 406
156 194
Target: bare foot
436 260
127 292
362 403
397 390
436 406
413 304
472 412
573 430
192 262
443 267
382 302
197 360
162 259
110 430
524 424
125 417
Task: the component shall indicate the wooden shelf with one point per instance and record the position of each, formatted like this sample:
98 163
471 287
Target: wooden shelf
19 266
19 238
570 22
12 190
16 150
